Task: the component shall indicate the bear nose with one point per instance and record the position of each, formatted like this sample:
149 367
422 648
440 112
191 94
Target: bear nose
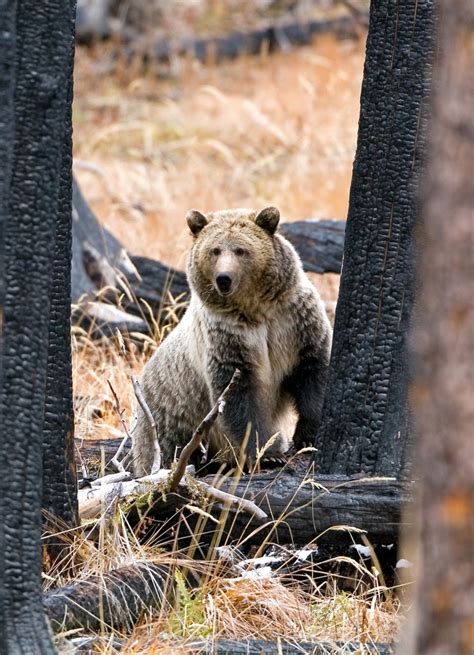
224 282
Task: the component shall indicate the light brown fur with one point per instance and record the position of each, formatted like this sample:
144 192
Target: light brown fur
270 324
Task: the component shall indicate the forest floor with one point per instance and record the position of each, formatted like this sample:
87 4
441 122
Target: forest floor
276 129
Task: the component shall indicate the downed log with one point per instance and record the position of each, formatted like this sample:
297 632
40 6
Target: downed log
302 506
100 261
302 509
281 647
95 21
241 647
273 38
111 601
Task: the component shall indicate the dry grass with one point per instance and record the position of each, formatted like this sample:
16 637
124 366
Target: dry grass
230 607
271 130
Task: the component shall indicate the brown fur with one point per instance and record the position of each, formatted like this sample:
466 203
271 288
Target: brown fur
270 323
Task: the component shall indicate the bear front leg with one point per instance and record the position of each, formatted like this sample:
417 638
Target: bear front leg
307 385
243 418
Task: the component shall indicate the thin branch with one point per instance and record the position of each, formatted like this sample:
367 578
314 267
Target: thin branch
201 432
146 410
239 502
115 459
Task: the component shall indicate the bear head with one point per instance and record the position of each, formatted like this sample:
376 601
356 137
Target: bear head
238 262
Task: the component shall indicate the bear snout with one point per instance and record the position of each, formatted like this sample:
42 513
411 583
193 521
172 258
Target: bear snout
224 283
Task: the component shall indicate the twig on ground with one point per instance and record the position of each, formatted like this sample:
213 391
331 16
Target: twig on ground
225 497
144 405
115 459
200 432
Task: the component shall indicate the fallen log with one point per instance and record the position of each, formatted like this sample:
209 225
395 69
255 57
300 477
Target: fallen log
301 510
241 647
96 21
301 506
136 286
111 601
282 647
272 38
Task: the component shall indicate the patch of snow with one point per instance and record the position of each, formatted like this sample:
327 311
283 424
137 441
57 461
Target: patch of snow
364 551
260 573
259 562
388 546
403 564
303 554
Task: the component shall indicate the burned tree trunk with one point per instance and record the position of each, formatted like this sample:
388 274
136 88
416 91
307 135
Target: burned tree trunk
365 424
444 350
35 69
59 470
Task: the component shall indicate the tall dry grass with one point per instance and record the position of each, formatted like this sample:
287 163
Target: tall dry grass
276 129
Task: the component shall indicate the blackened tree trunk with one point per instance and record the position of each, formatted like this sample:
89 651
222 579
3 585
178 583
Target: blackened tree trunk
35 93
365 425
59 470
443 341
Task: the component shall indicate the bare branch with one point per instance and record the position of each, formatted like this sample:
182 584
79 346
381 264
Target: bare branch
144 405
115 459
239 503
201 432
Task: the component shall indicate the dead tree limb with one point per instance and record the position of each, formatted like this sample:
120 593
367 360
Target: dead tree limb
112 601
201 432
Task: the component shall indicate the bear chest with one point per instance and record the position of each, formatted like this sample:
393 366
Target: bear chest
273 351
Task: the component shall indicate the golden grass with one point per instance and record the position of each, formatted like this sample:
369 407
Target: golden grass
277 129
228 606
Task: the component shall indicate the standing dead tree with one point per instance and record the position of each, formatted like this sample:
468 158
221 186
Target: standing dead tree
36 46
365 425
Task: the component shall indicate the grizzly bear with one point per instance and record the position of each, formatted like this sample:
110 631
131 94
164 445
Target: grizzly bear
252 308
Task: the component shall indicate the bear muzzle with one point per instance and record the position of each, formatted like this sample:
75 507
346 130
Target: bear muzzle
224 284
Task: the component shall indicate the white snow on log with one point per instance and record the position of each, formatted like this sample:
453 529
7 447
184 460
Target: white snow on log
256 574
302 555
363 551
403 564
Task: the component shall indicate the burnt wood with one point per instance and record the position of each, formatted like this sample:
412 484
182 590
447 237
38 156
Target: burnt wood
111 601
365 424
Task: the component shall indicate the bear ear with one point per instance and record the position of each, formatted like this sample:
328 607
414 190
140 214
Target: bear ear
196 221
268 219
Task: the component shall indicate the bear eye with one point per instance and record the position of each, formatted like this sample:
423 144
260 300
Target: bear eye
240 252
216 251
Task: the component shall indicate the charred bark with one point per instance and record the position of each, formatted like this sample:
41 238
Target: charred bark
111 601
365 425
35 70
245 647
443 349
258 646
296 513
59 469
